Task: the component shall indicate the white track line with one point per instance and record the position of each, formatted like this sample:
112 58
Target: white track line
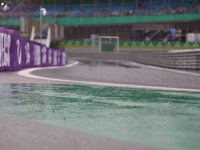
27 73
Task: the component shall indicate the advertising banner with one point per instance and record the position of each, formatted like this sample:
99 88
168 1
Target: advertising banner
2 49
17 53
36 54
14 48
50 57
26 47
44 56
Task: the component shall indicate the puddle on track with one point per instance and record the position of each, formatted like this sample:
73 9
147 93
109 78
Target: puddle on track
108 64
162 119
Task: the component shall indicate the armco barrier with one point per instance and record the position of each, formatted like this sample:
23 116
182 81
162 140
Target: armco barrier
17 53
186 59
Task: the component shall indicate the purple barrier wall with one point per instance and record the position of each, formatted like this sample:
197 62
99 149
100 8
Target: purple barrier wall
17 53
5 47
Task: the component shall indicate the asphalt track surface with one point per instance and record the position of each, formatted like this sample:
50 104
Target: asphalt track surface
20 134
123 73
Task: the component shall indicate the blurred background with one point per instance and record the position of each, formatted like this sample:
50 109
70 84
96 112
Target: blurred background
139 24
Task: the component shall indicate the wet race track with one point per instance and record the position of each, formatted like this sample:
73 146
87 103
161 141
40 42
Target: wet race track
126 73
156 117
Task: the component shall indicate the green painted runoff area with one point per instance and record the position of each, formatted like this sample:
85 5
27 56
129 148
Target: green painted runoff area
162 119
107 20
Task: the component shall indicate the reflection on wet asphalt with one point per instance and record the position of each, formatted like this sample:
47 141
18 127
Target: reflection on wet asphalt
107 64
121 72
161 119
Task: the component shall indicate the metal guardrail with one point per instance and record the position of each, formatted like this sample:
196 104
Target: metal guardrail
170 59
189 59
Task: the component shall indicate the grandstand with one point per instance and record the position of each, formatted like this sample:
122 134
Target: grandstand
124 18
104 8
